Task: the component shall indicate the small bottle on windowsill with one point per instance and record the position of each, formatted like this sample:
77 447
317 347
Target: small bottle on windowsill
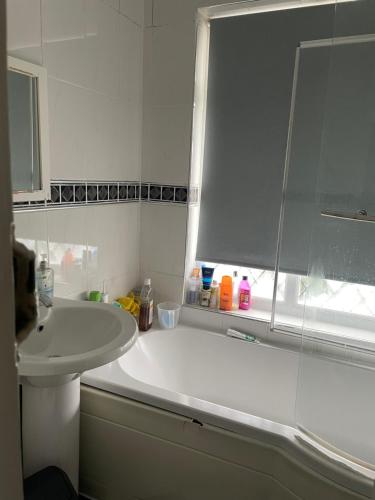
245 294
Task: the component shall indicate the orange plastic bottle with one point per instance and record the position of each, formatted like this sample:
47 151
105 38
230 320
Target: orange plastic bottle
226 293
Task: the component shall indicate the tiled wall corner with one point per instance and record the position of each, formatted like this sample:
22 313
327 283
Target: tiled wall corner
163 239
134 9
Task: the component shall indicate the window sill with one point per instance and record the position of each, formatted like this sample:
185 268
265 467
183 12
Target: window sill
251 314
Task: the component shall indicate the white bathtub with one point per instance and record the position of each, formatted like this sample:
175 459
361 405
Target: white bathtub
244 388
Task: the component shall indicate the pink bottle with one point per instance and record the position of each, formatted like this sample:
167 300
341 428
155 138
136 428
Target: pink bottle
244 294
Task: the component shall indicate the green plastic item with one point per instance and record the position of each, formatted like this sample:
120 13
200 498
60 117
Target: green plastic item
95 296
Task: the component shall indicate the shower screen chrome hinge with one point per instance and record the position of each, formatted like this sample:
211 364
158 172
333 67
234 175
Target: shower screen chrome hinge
360 216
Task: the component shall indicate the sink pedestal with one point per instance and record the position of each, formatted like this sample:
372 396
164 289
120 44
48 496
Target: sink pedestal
50 427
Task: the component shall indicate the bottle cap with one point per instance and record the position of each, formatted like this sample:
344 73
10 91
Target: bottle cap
147 282
196 272
244 278
226 280
43 262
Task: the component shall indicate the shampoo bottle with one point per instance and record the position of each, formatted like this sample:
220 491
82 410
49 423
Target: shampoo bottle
226 293
245 294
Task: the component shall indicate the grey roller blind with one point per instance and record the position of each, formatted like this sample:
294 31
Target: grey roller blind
250 78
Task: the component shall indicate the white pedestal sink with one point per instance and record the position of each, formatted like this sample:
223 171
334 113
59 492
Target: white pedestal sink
70 338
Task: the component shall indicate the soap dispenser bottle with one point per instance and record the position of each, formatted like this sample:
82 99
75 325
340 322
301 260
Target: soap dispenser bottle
44 278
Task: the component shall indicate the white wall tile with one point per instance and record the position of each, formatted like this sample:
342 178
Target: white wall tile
115 4
102 45
113 239
168 12
169 61
165 286
102 151
64 42
208 320
166 144
163 233
180 11
129 107
32 231
130 59
129 139
70 123
134 10
24 30
67 242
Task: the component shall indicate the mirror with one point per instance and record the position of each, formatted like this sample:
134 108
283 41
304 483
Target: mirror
28 131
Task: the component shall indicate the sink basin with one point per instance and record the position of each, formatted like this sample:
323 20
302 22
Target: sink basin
72 337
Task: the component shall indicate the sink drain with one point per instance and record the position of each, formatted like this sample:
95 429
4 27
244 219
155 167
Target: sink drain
54 356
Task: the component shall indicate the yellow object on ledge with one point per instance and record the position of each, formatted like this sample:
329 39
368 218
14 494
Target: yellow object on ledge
129 303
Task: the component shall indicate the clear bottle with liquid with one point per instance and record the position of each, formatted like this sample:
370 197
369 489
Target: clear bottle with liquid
44 278
214 298
236 291
193 288
147 307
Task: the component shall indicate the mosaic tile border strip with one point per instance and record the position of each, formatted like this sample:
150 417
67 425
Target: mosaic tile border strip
65 194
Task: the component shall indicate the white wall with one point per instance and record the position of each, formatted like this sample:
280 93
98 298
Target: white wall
169 64
92 50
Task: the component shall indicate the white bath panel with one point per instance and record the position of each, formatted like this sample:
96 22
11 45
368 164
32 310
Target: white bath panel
133 450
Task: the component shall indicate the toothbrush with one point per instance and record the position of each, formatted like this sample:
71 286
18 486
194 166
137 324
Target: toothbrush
241 336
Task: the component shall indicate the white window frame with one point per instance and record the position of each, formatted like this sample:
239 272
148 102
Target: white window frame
40 73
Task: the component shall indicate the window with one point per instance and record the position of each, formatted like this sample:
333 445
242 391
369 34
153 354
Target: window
246 75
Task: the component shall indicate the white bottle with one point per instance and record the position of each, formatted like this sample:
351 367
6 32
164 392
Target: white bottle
44 278
193 289
236 286
214 299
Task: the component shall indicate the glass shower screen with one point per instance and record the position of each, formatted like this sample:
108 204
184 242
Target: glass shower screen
327 234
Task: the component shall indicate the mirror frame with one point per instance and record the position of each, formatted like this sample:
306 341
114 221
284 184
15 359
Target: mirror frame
29 69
